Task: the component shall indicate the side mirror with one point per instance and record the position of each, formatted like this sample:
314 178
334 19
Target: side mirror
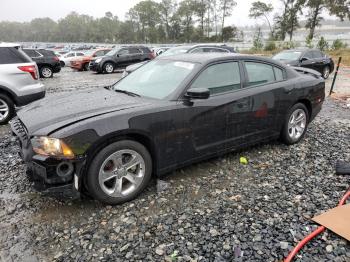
118 55
197 93
304 59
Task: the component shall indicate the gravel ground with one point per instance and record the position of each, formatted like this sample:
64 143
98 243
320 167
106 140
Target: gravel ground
217 210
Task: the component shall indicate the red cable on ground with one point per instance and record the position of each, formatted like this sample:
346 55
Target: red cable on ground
313 234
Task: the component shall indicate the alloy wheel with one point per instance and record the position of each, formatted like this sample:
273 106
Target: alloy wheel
46 72
297 124
109 68
121 173
4 110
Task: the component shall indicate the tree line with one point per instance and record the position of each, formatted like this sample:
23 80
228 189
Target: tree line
170 21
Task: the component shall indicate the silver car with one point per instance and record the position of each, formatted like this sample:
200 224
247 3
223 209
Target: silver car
19 81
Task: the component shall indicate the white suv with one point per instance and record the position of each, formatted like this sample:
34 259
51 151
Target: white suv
19 84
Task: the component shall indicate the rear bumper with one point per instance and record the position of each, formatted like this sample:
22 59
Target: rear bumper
76 65
315 110
26 99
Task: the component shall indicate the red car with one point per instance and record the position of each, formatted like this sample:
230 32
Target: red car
82 63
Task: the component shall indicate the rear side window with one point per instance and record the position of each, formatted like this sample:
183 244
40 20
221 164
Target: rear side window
134 51
46 52
12 55
259 73
215 50
219 78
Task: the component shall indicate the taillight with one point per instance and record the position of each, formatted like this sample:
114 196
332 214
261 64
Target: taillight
151 55
56 58
31 70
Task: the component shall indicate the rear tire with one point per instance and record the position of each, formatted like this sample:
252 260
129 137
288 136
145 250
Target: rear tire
7 109
108 68
46 72
119 172
295 124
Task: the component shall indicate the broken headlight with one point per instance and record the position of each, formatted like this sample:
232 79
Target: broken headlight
49 146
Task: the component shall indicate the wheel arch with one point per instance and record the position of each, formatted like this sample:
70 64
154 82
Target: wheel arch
9 93
306 102
45 65
134 135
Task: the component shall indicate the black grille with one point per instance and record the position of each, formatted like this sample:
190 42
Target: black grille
19 129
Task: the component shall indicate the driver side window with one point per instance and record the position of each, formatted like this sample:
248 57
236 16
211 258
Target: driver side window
219 78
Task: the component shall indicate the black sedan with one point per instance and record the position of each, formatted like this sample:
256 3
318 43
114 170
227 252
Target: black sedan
185 49
170 113
309 58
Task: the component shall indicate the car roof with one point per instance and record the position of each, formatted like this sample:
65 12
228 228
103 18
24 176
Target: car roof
206 58
301 50
2 44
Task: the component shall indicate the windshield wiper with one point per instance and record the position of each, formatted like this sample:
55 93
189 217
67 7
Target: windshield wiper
126 92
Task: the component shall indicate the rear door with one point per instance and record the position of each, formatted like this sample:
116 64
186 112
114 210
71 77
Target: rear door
253 115
135 55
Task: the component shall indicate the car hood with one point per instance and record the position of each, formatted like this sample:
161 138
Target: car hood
50 114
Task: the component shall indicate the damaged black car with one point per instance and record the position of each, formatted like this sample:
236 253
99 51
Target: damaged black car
171 112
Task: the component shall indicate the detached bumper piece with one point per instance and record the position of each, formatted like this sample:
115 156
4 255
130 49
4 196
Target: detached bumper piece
342 168
53 176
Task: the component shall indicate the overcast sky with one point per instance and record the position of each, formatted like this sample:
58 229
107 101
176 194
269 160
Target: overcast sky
25 10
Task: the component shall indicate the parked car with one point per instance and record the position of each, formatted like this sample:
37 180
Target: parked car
65 59
19 84
308 58
120 57
172 112
188 49
159 50
82 63
47 61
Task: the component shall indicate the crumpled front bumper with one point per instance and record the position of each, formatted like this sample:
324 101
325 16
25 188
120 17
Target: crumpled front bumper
55 175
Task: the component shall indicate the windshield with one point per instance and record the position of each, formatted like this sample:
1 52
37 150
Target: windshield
113 52
291 55
157 79
176 51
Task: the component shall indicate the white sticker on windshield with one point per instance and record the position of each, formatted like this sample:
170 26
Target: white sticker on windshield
185 65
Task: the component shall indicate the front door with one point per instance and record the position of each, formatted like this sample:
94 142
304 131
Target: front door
208 118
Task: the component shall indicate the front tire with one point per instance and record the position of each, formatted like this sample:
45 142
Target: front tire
7 109
46 72
295 124
119 172
108 68
86 67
